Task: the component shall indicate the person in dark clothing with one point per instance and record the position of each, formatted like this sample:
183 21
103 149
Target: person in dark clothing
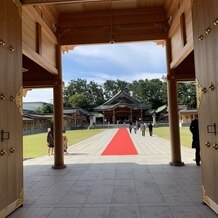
195 140
130 127
50 141
150 128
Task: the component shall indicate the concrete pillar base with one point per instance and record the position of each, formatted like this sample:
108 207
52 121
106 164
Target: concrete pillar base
177 164
59 167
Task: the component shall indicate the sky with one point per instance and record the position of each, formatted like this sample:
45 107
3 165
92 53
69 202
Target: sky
124 61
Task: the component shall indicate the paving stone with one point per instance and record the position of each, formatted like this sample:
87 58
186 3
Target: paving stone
92 185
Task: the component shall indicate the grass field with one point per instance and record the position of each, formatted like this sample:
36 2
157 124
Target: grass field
185 134
36 145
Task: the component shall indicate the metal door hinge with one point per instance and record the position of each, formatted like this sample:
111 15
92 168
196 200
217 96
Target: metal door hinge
211 128
4 135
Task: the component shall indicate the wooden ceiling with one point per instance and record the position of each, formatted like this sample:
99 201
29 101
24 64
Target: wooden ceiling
73 6
106 5
104 21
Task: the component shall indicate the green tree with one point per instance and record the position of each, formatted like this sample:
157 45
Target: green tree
187 94
38 110
95 94
78 86
92 92
45 109
112 87
152 91
79 100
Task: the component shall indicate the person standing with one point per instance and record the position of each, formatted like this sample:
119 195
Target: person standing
135 128
143 127
194 128
130 127
50 141
150 128
65 140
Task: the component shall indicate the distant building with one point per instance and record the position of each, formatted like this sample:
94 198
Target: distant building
186 116
122 108
34 123
32 106
76 117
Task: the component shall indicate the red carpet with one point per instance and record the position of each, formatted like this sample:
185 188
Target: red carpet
121 144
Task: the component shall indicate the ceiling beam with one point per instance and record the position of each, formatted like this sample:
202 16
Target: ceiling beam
120 26
119 17
122 33
35 2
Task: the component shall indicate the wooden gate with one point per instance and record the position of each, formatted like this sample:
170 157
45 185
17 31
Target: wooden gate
11 151
205 25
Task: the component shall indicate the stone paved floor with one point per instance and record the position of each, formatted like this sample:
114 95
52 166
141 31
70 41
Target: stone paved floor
95 186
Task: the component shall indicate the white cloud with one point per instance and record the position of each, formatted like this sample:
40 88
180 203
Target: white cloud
118 59
45 95
123 61
100 78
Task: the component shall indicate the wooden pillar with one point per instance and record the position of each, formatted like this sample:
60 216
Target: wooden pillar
173 111
113 117
58 116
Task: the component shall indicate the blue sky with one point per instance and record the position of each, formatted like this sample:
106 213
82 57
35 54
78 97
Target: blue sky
124 61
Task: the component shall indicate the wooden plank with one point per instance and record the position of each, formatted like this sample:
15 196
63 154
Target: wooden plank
4 106
38 40
101 36
34 2
34 16
11 163
118 17
38 59
187 49
38 83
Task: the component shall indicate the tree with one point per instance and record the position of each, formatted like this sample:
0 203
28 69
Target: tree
78 86
152 91
45 109
88 95
38 110
95 94
187 94
109 89
112 87
92 92
79 100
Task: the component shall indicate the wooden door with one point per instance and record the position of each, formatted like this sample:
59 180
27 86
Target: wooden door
205 26
11 152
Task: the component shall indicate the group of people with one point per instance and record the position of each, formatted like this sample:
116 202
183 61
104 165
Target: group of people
193 128
50 141
136 126
142 127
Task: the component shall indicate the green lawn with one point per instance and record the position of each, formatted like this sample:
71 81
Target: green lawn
36 145
185 134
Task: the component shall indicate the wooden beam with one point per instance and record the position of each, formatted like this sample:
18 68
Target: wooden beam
185 77
31 12
101 36
118 17
26 50
187 49
38 84
35 2
102 27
